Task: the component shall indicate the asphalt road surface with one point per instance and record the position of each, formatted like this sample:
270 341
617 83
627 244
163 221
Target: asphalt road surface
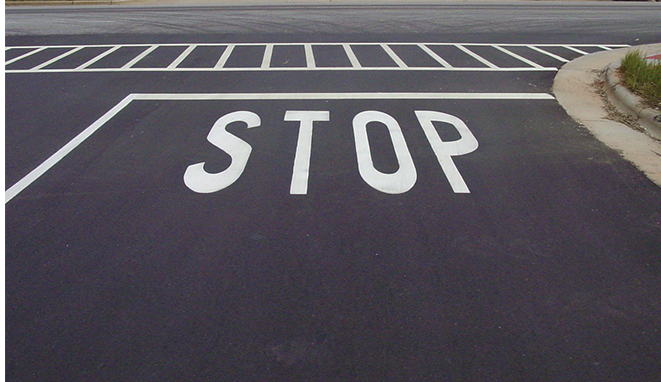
300 193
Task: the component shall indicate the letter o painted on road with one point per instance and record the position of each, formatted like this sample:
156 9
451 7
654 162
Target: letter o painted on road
398 182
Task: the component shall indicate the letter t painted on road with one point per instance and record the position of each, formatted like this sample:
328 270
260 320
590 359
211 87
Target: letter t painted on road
301 171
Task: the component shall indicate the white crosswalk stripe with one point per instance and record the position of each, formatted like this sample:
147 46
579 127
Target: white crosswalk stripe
527 57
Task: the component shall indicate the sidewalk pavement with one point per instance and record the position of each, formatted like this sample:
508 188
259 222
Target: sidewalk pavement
577 86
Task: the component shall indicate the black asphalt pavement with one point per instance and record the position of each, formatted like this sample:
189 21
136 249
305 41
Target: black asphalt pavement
319 212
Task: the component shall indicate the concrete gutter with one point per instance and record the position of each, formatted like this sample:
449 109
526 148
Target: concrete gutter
574 88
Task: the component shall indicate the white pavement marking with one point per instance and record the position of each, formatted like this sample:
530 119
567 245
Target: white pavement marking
139 57
28 54
66 149
268 54
318 44
80 138
61 56
224 57
182 56
561 59
335 96
406 175
575 49
444 151
98 58
297 69
520 58
435 56
394 56
476 56
352 57
309 57
301 169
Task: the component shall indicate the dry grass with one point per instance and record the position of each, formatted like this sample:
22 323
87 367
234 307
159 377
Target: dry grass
612 112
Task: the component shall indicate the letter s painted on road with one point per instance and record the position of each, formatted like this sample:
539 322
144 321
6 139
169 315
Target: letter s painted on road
198 180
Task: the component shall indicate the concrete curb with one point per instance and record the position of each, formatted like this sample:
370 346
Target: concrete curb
621 97
574 88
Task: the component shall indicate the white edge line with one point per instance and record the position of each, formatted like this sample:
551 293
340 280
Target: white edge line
82 136
65 150
316 43
289 69
338 96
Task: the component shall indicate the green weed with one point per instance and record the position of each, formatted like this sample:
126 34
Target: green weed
643 77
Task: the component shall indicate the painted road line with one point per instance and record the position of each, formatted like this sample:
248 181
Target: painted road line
537 49
317 44
309 57
336 96
28 54
55 59
435 56
139 57
293 69
394 56
352 57
98 58
182 56
80 138
64 151
268 54
575 49
224 57
523 59
476 56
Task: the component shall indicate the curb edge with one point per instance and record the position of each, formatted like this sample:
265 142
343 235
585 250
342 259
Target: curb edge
649 119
